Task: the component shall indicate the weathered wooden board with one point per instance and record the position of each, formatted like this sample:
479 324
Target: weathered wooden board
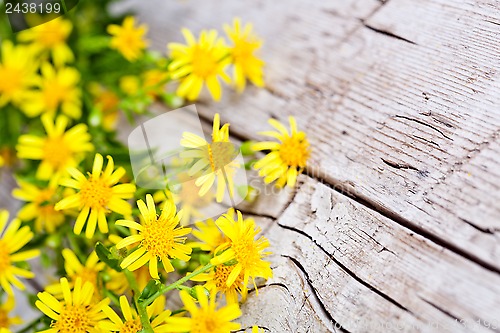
401 101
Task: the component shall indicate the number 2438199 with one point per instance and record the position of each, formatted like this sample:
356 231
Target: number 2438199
26 8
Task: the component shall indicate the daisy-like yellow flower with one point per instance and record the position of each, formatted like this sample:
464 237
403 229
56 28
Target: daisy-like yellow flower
6 321
97 195
242 246
287 158
132 322
18 73
209 235
40 205
159 238
186 198
128 39
154 82
246 64
108 103
12 239
77 312
214 161
58 88
199 62
59 150
50 37
87 272
216 281
208 318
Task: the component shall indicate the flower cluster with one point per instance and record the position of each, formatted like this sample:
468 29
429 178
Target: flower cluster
117 249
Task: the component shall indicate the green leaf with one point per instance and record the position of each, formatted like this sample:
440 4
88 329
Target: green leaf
107 257
151 288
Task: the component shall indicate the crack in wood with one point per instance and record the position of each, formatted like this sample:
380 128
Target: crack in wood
347 270
428 141
425 124
273 284
490 231
440 309
249 328
387 33
315 292
397 165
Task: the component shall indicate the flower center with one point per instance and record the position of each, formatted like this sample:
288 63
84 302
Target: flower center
87 275
56 152
95 193
11 79
220 278
243 50
74 319
158 238
131 326
294 151
221 154
246 252
204 64
54 94
51 38
204 321
4 257
4 319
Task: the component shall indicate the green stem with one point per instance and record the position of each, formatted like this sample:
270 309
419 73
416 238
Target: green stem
141 307
177 284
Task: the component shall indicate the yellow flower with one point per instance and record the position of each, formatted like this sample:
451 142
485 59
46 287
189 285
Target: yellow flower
77 312
59 150
130 84
154 82
242 246
209 235
50 37
132 322
287 158
97 195
216 281
40 205
214 161
76 270
246 63
6 321
186 197
57 88
128 39
207 318
159 238
257 329
17 70
108 103
12 239
199 62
